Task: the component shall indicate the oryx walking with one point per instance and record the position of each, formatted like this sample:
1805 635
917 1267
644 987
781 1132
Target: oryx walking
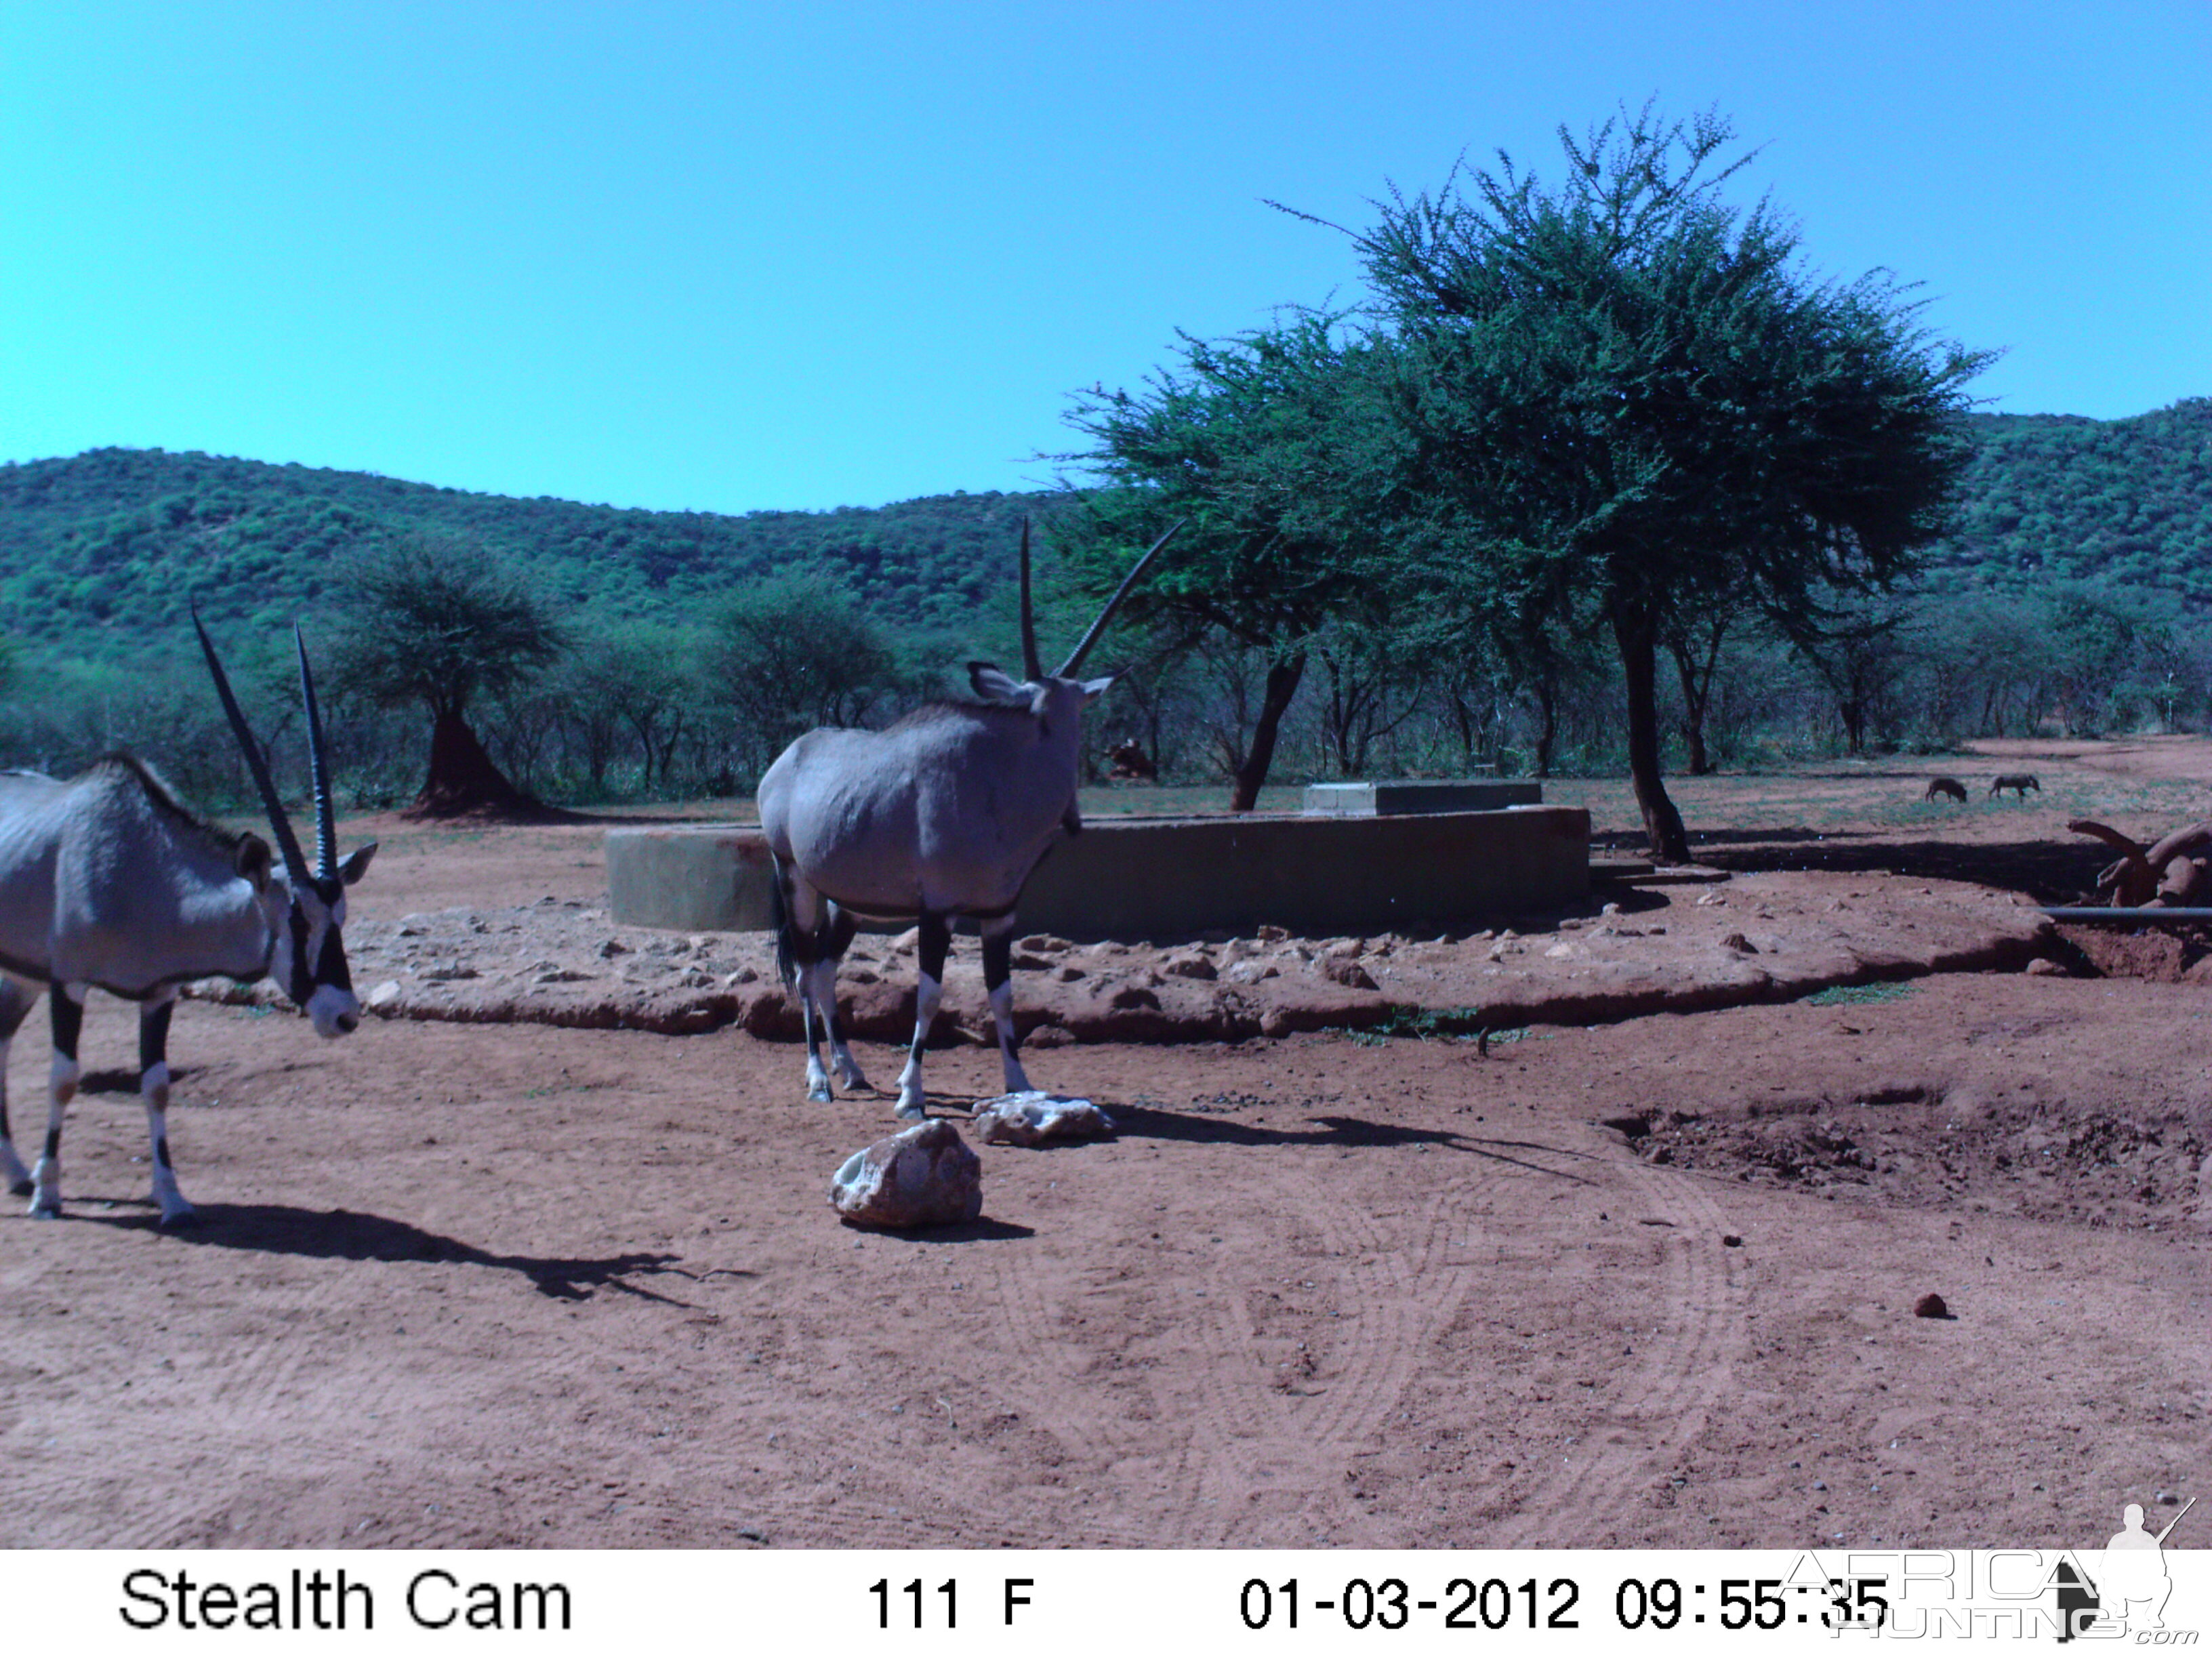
106 880
940 816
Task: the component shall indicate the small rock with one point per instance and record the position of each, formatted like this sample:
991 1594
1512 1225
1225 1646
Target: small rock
1050 943
1271 935
1344 970
1931 1306
1711 898
1035 1119
613 947
455 971
1066 973
1609 910
1560 950
1740 945
907 943
2045 966
1193 966
744 975
1132 996
925 1176
560 976
385 996
1734 1241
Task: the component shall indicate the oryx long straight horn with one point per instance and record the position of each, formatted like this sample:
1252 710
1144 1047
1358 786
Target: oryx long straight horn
319 770
1066 669
1032 665
279 825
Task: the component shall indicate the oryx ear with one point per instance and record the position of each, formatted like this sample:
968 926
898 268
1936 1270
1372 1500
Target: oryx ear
354 865
253 860
994 683
1098 688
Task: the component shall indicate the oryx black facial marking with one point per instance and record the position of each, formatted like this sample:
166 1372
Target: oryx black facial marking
108 880
942 815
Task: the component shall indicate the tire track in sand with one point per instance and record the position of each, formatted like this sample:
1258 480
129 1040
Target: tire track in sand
1648 1413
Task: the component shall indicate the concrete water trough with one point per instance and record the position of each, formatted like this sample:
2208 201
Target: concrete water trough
1317 875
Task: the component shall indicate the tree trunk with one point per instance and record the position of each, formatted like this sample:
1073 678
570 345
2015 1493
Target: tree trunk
1547 707
1697 695
1634 629
1282 685
463 777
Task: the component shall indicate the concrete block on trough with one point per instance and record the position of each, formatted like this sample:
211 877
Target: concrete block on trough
1400 796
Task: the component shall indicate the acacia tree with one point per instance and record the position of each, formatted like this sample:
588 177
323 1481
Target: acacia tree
1273 450
1622 392
438 623
792 652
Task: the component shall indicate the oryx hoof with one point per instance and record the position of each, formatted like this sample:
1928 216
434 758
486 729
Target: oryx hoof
819 1091
854 1082
47 1210
914 1114
177 1220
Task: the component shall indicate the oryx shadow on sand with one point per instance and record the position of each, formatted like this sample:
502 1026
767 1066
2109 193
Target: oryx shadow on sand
1158 1123
355 1236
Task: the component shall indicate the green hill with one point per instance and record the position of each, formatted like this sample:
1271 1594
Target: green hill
104 549
2059 497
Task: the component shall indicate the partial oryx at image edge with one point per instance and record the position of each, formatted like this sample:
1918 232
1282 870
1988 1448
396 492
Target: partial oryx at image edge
108 880
940 816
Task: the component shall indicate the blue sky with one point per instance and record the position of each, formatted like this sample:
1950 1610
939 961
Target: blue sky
742 256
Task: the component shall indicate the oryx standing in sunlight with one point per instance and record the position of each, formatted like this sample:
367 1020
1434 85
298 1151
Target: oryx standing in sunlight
108 880
940 816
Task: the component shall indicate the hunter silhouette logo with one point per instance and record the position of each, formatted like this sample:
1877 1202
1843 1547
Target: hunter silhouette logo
2132 1586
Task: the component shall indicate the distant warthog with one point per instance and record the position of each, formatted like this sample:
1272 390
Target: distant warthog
1939 788
2019 782
1127 759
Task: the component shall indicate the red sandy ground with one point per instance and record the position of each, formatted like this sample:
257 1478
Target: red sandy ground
1643 1283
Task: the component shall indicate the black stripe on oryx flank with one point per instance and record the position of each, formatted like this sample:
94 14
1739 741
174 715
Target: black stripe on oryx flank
904 913
23 969
42 975
154 1036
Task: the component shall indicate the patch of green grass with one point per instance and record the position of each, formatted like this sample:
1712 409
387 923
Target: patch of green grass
1430 1024
1837 995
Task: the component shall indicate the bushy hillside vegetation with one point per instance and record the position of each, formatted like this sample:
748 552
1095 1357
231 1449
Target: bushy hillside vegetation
2076 589
104 549
2059 496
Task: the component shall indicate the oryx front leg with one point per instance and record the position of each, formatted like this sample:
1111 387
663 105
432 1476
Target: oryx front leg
821 980
61 1088
999 981
16 1001
935 939
154 1090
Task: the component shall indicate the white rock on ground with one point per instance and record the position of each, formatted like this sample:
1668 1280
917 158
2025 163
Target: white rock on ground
925 1176
1034 1118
